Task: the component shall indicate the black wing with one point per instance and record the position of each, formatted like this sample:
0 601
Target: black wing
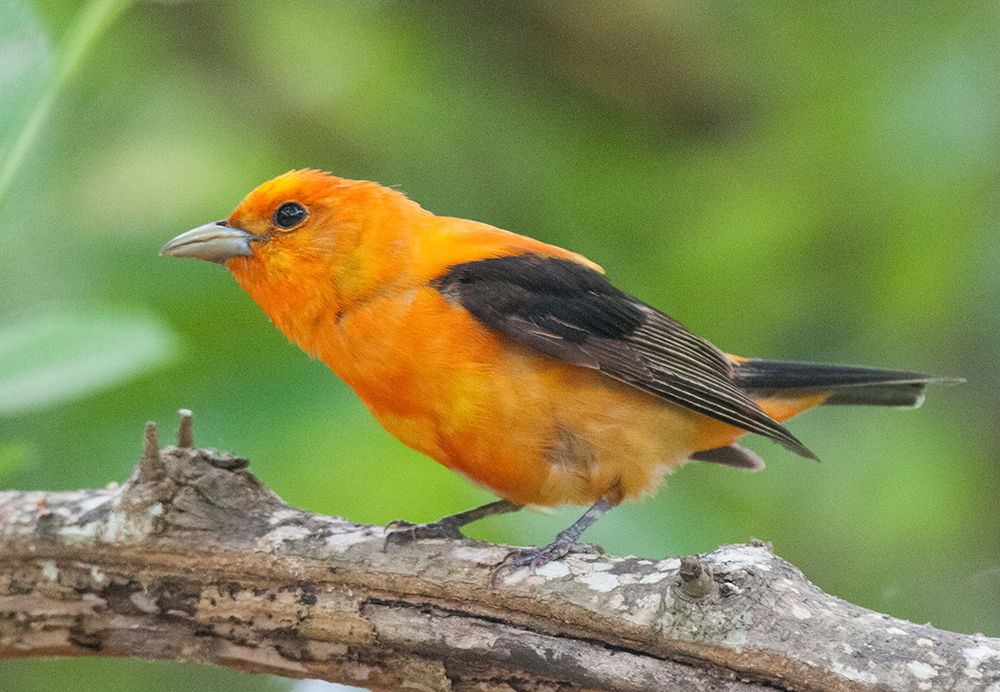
570 312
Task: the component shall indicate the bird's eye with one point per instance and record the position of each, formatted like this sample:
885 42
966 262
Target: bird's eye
289 215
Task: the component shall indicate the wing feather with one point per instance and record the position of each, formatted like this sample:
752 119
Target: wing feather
571 312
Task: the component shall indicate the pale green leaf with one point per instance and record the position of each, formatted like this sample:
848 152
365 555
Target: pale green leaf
55 357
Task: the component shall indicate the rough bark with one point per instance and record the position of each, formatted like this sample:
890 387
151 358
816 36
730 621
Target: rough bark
193 559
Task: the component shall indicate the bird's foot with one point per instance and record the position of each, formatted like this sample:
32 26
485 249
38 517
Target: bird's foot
446 527
534 558
400 531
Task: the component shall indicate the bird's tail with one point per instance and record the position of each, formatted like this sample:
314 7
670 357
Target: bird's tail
847 385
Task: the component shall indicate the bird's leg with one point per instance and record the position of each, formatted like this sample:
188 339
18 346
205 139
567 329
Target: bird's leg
564 543
400 531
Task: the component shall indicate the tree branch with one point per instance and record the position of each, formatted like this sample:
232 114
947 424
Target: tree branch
193 559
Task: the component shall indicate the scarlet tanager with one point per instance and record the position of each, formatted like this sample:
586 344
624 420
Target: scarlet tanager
506 359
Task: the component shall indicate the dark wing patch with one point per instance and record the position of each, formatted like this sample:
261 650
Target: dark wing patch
570 312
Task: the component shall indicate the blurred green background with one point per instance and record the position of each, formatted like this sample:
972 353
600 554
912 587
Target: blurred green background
811 181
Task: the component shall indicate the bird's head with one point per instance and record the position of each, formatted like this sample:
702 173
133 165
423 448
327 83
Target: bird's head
300 243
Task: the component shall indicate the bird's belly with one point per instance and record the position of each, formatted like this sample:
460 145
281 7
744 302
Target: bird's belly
528 427
540 432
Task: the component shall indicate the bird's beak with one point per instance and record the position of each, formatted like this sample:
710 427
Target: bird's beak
213 242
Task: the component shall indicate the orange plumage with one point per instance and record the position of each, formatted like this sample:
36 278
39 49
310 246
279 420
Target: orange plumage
506 359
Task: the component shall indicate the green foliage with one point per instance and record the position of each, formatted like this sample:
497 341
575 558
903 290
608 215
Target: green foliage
54 357
815 182
26 64
33 74
13 456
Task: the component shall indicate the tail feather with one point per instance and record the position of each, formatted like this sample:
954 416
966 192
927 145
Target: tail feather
849 385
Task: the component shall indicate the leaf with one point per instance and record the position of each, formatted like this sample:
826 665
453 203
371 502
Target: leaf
59 356
32 73
26 64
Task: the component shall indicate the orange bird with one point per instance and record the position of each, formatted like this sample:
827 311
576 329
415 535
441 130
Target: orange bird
506 359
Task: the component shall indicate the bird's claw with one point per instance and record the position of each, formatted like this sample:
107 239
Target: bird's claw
400 531
533 558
